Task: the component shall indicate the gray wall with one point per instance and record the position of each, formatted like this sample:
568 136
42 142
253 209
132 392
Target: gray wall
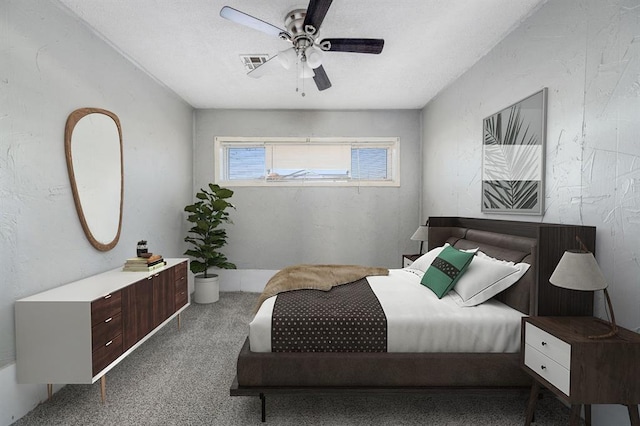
587 53
276 227
51 65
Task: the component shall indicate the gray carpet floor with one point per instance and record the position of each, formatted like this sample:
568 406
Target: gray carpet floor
182 377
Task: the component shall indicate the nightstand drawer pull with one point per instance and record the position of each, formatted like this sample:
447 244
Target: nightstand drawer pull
108 296
108 319
109 342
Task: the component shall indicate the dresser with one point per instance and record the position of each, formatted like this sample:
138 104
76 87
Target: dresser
558 353
77 332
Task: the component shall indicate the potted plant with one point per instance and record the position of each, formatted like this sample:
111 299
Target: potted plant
207 237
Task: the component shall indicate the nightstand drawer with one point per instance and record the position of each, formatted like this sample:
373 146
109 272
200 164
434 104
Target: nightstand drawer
547 368
408 259
549 345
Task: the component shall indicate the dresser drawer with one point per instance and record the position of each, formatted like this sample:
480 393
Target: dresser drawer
106 330
181 298
181 269
547 368
107 353
549 345
106 307
181 281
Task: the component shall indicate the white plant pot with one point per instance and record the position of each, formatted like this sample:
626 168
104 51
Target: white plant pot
207 290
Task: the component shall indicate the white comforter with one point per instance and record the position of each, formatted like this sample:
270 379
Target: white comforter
417 321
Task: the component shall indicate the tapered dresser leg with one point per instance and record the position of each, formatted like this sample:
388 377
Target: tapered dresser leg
533 399
49 391
587 414
103 388
179 321
574 420
633 415
264 409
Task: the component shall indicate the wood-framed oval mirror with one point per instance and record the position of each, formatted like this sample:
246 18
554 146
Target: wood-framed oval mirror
93 147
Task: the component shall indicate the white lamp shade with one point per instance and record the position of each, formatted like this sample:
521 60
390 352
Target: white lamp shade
314 57
578 270
287 58
421 234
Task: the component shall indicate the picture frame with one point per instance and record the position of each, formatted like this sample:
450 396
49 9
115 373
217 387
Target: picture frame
513 153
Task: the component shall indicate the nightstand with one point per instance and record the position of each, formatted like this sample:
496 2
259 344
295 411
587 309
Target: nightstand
557 353
408 259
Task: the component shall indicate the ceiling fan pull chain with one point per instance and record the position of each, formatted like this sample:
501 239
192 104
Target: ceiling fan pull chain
298 78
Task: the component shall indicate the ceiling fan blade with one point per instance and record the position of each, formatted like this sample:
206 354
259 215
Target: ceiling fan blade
316 11
356 45
266 68
321 78
242 18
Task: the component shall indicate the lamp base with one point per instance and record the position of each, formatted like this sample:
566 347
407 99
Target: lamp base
614 327
613 332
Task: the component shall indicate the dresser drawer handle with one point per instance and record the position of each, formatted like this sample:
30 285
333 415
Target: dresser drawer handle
150 278
543 367
108 343
156 275
544 343
108 319
108 296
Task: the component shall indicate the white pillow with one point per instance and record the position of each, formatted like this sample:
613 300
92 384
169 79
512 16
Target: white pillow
485 277
424 261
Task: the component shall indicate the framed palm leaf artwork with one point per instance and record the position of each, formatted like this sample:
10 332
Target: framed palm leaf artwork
513 157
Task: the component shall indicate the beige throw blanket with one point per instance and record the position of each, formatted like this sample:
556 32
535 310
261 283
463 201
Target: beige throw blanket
315 277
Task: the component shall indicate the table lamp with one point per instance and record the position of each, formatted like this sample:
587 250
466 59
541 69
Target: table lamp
578 270
421 234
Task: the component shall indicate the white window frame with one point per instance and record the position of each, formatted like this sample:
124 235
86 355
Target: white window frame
392 144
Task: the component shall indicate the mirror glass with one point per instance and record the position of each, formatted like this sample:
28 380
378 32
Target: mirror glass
93 147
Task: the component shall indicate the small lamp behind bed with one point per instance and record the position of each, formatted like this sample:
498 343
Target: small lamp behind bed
421 234
578 270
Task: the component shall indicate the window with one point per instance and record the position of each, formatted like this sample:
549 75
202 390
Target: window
307 161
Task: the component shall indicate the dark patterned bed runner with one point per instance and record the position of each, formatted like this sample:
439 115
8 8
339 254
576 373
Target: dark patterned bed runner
347 318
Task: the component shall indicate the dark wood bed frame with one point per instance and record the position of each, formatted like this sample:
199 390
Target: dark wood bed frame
539 244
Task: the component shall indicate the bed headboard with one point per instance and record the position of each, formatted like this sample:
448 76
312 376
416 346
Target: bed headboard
539 244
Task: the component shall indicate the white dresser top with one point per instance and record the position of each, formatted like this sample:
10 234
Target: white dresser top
96 286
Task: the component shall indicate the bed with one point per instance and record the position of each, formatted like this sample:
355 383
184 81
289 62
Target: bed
537 244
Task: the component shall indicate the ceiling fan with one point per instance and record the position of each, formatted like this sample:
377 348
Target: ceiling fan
302 31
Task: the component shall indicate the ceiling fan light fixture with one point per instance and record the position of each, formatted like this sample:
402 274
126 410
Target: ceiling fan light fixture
314 57
287 58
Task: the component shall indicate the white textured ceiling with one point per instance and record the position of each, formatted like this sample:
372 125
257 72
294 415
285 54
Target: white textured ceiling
188 47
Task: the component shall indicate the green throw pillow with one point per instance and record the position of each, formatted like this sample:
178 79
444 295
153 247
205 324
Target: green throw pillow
445 270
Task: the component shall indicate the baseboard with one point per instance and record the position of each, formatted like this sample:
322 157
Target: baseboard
248 280
17 400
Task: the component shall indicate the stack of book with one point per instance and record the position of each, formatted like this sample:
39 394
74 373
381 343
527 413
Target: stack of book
144 264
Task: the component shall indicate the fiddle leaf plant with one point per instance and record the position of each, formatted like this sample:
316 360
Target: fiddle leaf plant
206 235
